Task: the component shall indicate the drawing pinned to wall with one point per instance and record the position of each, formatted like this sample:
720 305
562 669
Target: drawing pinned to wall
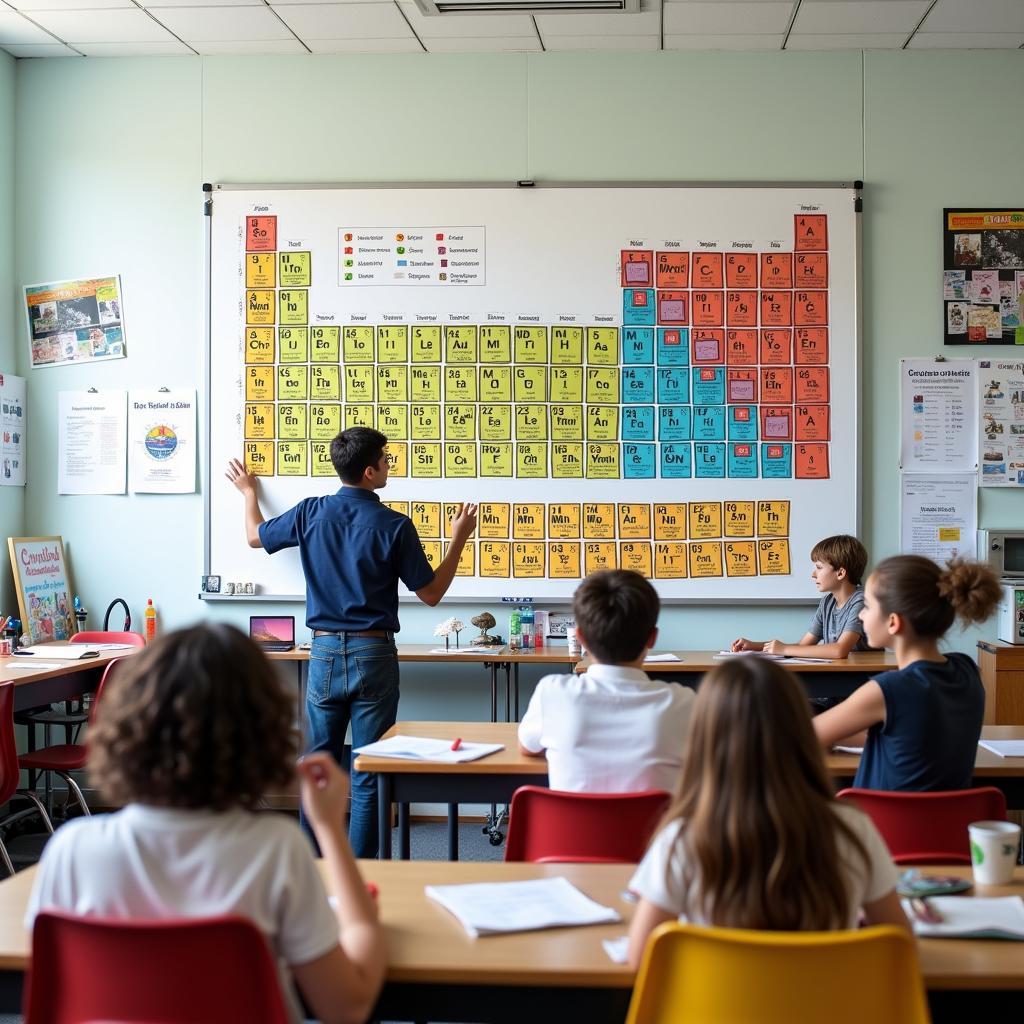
75 321
162 441
1001 402
13 417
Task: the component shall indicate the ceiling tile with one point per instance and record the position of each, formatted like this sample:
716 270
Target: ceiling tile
153 4
724 42
599 23
975 16
967 40
345 21
119 26
483 26
867 16
23 50
488 44
16 29
741 16
252 47
68 5
171 48
407 45
223 24
850 41
625 42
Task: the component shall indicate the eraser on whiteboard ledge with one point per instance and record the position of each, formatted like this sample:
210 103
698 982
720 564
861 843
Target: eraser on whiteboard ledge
517 600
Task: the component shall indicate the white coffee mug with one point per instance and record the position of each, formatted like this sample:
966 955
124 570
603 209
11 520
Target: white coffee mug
994 848
575 651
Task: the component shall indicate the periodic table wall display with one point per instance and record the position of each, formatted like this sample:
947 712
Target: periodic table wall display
662 378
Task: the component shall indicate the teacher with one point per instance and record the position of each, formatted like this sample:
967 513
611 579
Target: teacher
354 550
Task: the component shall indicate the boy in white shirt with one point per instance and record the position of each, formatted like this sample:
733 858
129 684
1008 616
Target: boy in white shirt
611 730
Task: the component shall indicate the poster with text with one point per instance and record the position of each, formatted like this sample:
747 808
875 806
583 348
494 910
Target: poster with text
1001 404
938 415
162 441
75 321
91 442
13 416
939 515
44 588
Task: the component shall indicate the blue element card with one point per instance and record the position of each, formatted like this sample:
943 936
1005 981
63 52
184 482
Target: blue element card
673 346
673 385
776 461
637 384
709 461
675 461
637 345
742 422
638 461
709 423
638 423
742 461
674 422
638 307
709 385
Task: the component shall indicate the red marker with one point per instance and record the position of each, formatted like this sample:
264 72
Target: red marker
372 889
457 744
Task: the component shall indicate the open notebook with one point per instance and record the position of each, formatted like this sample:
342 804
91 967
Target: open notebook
416 748
977 917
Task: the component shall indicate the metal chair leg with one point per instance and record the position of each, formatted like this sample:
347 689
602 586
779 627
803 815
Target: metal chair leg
29 795
73 786
6 858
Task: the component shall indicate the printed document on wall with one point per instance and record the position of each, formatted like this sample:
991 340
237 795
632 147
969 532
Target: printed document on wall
939 515
162 441
1001 401
92 442
938 416
13 416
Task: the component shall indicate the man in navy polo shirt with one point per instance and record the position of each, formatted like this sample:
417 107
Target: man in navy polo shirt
354 550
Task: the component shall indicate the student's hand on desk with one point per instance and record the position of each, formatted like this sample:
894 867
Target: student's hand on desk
464 521
324 789
742 644
238 476
774 647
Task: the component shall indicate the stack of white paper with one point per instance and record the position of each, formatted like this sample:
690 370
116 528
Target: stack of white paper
415 748
668 656
980 917
493 908
1004 748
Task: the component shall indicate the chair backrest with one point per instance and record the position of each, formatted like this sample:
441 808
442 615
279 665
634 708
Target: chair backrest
725 975
108 671
549 825
100 636
10 773
928 828
204 971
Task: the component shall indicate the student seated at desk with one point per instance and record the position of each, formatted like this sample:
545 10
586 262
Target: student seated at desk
190 735
835 630
923 719
610 730
755 837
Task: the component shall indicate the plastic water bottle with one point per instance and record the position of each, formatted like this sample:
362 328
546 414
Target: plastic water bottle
150 616
515 629
527 627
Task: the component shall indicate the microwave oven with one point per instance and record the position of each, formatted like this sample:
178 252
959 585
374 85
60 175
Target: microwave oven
1003 551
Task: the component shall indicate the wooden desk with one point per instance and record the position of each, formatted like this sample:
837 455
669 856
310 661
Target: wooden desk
436 972
70 679
1002 674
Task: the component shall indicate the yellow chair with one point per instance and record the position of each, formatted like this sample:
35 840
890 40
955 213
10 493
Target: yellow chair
733 976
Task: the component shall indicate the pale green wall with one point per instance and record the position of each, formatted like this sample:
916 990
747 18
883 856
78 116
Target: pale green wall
132 204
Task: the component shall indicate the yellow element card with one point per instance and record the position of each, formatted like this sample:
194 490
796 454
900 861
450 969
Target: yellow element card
292 458
602 422
495 559
359 383
392 343
449 510
496 459
432 549
670 521
705 520
495 422
260 270
528 560
670 561
292 422
398 458
566 422
392 383
740 558
425 383
603 346
493 520
460 459
426 518
564 560
532 460
566 346
467 560
259 457
634 522
773 518
564 522
426 460
705 559
320 459
259 344
531 423
531 344
426 344
393 421
460 384
292 383
460 422
425 422
357 344
773 557
739 519
528 521
259 421
259 383
567 460
402 507
636 556
324 421
358 416
293 307
296 269
259 307
324 383
602 461
325 344
495 344
530 383
598 556
460 343
598 521
293 344
495 383
602 384
565 383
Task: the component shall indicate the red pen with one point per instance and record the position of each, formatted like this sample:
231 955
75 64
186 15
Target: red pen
371 888
457 744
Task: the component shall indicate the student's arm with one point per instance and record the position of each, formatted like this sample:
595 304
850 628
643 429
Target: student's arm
463 526
864 708
810 648
741 643
246 483
887 910
342 986
646 918
531 727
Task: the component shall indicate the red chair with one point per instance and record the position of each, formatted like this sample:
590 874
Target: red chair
10 771
546 825
928 828
204 971
64 758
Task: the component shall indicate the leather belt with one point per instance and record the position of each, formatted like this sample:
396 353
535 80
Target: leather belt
381 634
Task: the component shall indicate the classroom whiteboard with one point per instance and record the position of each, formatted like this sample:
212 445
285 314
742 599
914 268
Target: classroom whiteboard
658 377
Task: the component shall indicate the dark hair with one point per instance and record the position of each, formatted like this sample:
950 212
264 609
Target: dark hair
843 552
930 597
199 719
615 611
353 450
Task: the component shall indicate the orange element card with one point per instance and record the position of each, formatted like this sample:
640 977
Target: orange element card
739 518
637 268
598 556
705 559
672 270
810 308
776 270
707 345
635 522
705 519
493 522
670 561
776 309
636 556
740 558
528 521
708 309
670 521
812 384
777 346
741 270
672 308
776 423
811 232
773 518
812 270
741 309
773 557
741 347
812 423
777 384
564 561
707 270
811 461
811 345
599 521
528 560
564 521
495 559
260 234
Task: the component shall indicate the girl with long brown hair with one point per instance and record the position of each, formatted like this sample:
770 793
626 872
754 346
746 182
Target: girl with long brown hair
754 837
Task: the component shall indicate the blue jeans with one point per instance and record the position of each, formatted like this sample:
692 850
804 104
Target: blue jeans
352 680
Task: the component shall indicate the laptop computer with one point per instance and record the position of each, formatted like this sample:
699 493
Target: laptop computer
273 632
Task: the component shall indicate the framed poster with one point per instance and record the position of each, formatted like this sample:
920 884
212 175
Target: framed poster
44 588
75 321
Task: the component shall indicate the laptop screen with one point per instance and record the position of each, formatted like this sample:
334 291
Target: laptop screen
272 628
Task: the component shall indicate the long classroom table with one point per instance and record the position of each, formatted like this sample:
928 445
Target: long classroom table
436 972
33 687
493 779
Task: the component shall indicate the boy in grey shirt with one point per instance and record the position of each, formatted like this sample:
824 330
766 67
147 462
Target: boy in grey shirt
836 629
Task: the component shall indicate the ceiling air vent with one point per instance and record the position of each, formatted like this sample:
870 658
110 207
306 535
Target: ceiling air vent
435 7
